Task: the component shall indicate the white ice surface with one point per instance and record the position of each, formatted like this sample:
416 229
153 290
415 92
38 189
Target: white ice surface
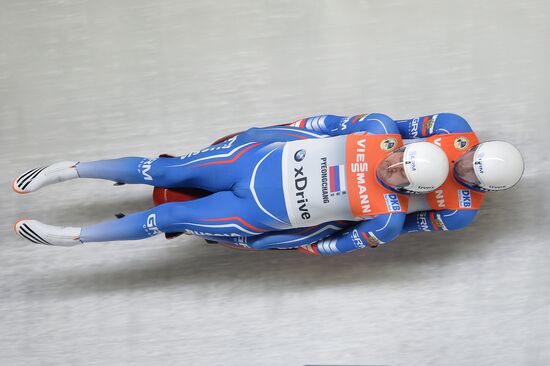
88 80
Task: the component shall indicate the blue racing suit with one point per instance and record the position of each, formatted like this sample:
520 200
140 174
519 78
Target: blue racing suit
249 178
412 130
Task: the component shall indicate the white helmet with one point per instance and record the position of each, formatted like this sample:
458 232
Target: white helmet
425 168
490 166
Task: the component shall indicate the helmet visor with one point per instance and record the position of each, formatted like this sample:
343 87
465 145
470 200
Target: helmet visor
464 171
392 170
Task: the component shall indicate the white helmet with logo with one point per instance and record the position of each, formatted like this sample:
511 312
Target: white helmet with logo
490 166
424 168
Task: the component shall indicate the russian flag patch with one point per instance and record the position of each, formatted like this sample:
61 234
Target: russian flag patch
337 178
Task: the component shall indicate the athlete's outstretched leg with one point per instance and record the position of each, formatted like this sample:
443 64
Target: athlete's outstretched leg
132 170
215 168
125 170
220 214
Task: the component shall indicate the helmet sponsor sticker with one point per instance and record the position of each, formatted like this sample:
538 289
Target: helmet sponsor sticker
478 163
410 160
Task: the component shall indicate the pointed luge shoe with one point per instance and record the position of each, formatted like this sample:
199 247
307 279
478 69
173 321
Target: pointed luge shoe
40 233
37 178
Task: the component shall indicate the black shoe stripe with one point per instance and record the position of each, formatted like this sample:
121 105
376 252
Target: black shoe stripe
26 174
23 229
35 234
33 176
26 236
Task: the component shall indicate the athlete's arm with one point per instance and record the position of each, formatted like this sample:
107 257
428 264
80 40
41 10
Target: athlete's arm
293 238
374 123
443 220
322 126
380 230
433 124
